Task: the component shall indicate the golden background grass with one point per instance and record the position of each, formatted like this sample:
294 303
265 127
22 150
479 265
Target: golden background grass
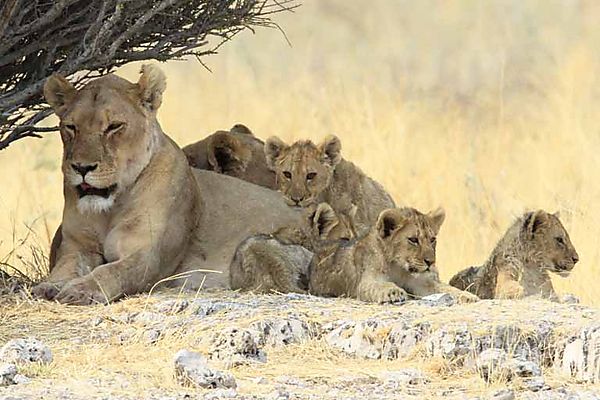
486 108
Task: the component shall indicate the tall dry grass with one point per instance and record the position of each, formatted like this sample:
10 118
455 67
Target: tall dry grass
486 108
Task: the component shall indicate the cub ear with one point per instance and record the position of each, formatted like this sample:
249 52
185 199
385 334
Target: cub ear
59 93
241 129
437 218
534 220
273 149
330 150
324 220
151 86
389 221
226 153
557 214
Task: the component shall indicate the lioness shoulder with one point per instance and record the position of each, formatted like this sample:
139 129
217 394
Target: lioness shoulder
535 244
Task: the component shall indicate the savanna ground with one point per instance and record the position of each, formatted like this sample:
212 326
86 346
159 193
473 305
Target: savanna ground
485 108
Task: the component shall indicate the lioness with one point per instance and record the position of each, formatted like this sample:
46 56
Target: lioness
236 152
535 244
135 212
394 260
280 262
309 174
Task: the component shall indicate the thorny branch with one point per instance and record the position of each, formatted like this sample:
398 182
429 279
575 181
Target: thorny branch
85 39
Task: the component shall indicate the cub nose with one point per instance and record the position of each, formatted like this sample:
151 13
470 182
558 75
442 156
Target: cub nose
575 259
84 169
429 262
297 199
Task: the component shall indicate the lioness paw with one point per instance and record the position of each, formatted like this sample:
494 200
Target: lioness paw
46 290
80 292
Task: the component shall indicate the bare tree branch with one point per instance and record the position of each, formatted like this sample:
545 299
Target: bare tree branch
85 39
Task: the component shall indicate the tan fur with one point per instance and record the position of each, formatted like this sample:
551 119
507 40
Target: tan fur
279 262
395 259
310 174
518 267
134 211
236 153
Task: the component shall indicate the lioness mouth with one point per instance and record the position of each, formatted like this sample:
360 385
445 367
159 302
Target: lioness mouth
86 189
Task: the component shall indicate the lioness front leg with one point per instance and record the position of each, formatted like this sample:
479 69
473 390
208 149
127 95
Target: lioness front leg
73 260
380 291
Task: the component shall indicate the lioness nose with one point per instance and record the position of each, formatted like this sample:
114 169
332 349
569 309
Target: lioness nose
429 262
84 169
575 259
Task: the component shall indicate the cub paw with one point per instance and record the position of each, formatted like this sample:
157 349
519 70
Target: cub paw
466 297
389 293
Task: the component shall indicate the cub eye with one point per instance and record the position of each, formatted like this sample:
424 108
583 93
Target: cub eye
114 127
287 174
560 240
433 240
71 127
310 176
413 240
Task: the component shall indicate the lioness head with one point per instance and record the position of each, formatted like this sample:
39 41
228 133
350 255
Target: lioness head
303 170
109 132
548 243
409 237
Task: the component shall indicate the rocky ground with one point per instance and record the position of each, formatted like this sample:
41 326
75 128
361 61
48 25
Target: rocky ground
221 344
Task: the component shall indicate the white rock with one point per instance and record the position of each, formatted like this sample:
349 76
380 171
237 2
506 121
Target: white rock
237 346
7 374
282 332
581 356
439 300
25 351
21 379
221 394
192 369
503 394
404 377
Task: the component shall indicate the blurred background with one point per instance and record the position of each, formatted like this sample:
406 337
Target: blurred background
487 108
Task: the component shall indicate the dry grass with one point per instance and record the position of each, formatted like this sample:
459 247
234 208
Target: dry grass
486 108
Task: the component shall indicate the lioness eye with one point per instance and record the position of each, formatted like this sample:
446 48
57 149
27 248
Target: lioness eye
287 174
114 127
70 127
433 240
311 175
560 240
413 240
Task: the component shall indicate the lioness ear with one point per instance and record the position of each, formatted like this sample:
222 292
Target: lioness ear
226 153
557 214
59 92
389 221
437 218
242 129
330 150
273 148
151 86
324 220
534 220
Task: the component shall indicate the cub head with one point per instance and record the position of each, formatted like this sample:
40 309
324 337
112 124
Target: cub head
303 170
327 225
236 152
109 133
409 237
548 243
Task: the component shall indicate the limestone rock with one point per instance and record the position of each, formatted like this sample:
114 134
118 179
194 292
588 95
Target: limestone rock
192 369
237 346
25 351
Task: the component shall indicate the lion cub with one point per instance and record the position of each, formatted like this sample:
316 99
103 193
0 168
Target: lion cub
309 174
236 153
535 244
280 262
396 256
